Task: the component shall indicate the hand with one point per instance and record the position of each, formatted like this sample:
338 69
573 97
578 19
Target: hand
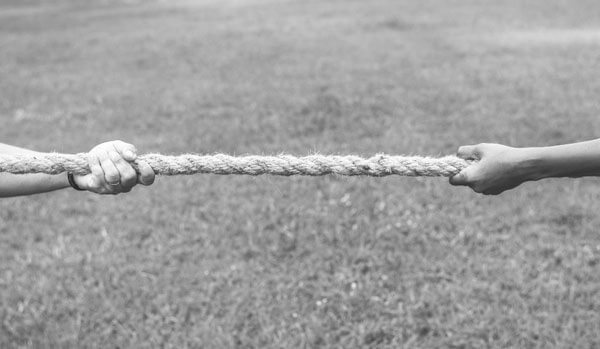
496 169
111 168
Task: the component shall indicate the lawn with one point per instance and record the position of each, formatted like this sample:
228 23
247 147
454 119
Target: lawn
211 261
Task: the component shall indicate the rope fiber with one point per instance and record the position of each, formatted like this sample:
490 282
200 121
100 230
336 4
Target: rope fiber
281 165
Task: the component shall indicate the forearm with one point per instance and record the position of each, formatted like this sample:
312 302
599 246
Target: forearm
14 185
568 160
27 184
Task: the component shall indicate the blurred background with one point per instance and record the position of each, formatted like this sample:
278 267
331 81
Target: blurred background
267 262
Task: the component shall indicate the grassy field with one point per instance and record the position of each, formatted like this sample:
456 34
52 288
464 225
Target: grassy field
268 262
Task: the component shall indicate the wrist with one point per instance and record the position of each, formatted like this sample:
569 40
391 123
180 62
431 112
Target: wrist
530 164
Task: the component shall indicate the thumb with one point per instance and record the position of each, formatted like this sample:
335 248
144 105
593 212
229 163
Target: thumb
464 177
84 182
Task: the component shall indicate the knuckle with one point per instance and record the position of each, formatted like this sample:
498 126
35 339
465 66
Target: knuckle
114 156
127 172
108 166
96 169
96 180
100 147
105 161
484 146
110 170
129 175
120 163
120 145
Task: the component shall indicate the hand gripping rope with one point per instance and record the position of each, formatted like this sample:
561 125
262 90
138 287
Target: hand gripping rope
282 165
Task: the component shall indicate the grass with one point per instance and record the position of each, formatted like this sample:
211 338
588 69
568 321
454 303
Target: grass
267 262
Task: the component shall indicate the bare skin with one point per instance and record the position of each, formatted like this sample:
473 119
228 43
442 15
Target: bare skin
109 162
499 168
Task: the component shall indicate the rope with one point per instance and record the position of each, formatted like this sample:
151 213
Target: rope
282 165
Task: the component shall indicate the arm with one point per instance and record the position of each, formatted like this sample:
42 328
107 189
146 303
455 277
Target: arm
500 168
109 162
13 185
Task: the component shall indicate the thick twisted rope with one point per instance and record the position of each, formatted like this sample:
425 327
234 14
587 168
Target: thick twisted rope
282 165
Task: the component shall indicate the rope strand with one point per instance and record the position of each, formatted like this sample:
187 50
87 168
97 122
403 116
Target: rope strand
281 165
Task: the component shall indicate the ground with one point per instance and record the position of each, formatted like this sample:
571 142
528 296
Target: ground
266 262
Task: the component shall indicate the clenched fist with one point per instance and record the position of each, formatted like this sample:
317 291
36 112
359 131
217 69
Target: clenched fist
112 172
497 168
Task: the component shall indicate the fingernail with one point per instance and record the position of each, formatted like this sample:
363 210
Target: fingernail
129 154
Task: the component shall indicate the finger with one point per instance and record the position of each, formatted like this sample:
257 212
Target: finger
112 189
91 182
111 174
115 189
459 179
128 176
464 177
146 175
96 180
468 152
127 150
95 184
